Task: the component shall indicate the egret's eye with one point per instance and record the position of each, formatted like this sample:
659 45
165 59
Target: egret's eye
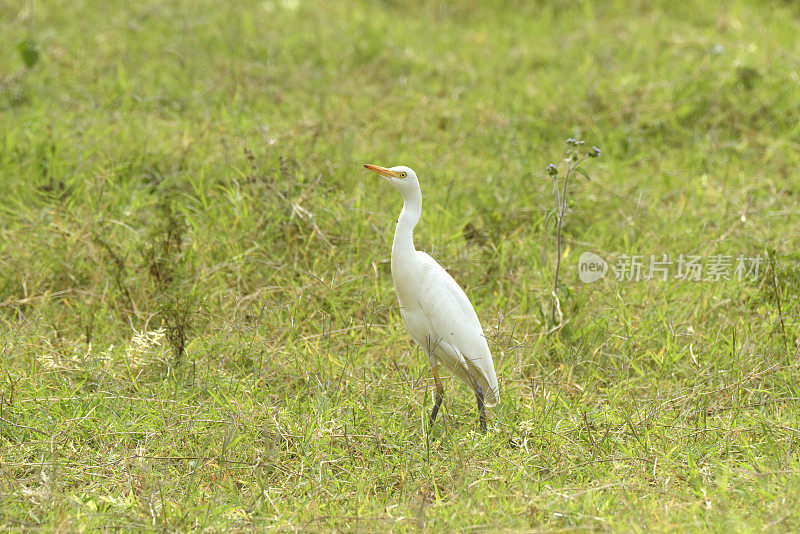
403 175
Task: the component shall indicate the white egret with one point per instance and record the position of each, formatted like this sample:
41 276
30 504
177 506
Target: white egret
436 310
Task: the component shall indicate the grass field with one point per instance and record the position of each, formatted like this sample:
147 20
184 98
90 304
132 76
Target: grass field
199 328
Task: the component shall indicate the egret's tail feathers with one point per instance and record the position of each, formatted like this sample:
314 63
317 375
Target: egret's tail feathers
484 375
488 383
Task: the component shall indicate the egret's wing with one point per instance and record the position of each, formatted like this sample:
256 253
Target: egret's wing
457 329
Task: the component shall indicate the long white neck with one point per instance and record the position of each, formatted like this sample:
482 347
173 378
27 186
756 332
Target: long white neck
403 244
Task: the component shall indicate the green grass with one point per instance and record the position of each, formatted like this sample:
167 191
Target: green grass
187 175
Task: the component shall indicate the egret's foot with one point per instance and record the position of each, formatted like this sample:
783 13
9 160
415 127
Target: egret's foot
439 393
432 417
481 409
437 403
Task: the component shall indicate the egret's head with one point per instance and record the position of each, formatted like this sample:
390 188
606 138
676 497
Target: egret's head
402 178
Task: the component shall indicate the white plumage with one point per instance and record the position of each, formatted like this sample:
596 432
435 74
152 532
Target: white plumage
436 310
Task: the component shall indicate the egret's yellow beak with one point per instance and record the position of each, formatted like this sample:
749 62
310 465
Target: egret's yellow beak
383 171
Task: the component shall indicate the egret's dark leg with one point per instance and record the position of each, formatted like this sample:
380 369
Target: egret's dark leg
439 394
481 409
